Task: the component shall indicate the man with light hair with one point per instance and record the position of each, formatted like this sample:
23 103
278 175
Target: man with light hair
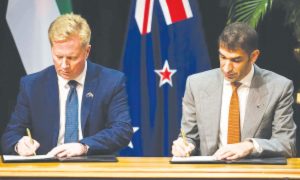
73 108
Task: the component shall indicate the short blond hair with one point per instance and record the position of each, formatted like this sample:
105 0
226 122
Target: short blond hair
68 25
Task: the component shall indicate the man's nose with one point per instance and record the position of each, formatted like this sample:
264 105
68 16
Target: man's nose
227 66
64 63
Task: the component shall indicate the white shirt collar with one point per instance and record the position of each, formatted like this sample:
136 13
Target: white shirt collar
246 81
80 78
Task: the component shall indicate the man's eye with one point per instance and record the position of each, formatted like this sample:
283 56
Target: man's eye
236 60
222 57
72 58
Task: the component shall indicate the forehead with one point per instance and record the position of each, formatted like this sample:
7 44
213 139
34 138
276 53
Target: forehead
71 41
231 53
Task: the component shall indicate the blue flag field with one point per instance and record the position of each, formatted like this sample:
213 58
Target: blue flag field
165 44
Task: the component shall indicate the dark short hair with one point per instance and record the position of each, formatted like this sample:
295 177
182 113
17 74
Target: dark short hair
239 35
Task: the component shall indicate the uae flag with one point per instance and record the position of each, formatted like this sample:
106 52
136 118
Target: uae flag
28 22
24 44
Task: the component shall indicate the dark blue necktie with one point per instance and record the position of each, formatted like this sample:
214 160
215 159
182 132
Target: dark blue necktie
71 128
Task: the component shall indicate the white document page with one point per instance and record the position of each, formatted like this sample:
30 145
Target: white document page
193 159
24 158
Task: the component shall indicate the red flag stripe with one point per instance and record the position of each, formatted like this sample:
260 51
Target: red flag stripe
146 16
176 10
143 15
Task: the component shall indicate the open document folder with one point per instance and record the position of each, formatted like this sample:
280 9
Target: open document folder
213 160
48 158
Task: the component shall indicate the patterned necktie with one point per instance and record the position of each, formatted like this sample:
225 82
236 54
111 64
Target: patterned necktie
234 133
71 127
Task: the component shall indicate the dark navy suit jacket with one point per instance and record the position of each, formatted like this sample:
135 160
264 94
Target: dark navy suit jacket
105 119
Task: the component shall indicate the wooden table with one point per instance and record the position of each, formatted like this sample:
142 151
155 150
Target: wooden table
148 167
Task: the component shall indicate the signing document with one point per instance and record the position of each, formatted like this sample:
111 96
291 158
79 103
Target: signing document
16 158
213 160
51 158
193 159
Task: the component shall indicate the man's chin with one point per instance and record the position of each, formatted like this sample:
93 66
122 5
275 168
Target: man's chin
230 79
66 77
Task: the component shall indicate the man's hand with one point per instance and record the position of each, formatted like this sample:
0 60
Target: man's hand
25 147
68 150
234 151
180 149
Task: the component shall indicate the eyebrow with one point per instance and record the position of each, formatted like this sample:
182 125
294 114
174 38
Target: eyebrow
229 58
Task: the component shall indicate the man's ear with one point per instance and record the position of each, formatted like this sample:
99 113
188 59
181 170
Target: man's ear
88 50
254 56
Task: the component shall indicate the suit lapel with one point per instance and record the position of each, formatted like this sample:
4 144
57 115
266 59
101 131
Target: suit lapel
53 104
88 94
211 109
256 105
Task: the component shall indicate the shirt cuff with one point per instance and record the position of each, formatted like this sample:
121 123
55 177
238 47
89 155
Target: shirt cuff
86 148
257 149
16 147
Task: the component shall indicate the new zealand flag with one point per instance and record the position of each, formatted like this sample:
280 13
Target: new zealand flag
165 44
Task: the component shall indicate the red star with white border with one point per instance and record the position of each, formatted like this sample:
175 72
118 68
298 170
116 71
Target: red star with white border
165 74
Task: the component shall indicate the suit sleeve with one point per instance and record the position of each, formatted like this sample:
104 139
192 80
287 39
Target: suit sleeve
283 138
118 131
189 121
19 120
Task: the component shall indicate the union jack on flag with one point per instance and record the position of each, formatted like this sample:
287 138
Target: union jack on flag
173 11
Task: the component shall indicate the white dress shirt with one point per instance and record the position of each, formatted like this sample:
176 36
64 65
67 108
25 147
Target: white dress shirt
63 94
243 92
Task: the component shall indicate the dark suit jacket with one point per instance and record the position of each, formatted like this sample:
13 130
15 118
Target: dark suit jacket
268 117
105 119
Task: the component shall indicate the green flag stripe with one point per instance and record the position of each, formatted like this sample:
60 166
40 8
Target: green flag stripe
64 6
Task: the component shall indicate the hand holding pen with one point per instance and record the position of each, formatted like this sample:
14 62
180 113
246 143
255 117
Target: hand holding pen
31 140
181 147
27 146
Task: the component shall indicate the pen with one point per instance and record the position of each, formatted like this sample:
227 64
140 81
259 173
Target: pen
29 135
183 137
184 140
